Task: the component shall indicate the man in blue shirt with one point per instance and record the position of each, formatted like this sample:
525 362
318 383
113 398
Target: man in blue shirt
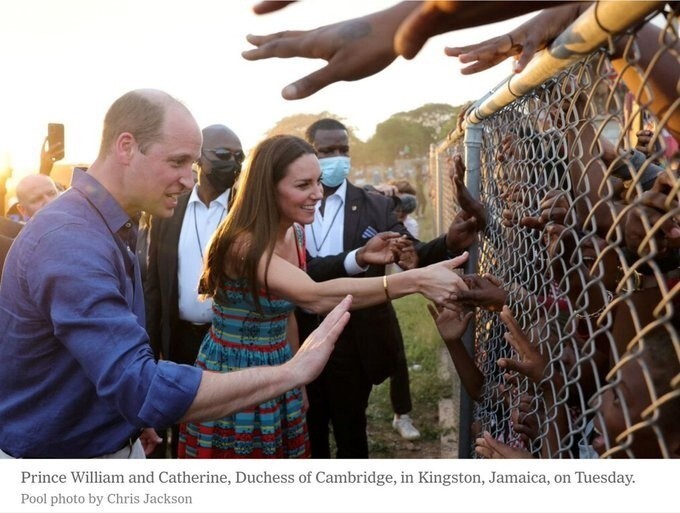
78 377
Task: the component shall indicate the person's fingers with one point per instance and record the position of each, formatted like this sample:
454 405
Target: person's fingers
517 337
310 84
459 260
509 364
533 223
481 65
466 226
288 43
465 296
336 316
415 30
482 450
270 6
493 279
528 52
389 235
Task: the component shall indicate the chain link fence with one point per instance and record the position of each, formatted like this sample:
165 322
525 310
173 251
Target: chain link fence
576 162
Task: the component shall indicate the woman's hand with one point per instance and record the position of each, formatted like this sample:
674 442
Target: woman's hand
438 282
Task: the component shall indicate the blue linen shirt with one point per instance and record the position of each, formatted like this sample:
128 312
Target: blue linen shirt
78 377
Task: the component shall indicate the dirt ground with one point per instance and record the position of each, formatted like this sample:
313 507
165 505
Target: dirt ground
385 442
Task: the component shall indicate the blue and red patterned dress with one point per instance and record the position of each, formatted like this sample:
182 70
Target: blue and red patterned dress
240 338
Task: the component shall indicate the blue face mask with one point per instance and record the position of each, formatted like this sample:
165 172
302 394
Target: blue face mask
334 170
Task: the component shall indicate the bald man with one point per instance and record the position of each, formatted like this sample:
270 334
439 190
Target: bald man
177 321
79 378
33 193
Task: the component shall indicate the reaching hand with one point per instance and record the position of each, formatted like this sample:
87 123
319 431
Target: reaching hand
488 447
354 49
437 17
311 358
379 250
406 255
532 363
451 322
483 291
471 219
554 208
469 204
524 41
438 282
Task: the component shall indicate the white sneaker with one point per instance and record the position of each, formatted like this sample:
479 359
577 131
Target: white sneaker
404 426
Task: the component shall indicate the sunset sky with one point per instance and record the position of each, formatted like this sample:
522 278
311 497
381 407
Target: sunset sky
65 61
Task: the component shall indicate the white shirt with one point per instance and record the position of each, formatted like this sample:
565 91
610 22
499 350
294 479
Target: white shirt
198 226
412 226
325 235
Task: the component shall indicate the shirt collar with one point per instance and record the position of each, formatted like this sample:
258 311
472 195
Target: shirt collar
222 199
111 211
340 192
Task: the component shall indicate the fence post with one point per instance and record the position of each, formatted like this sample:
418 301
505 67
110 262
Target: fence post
473 145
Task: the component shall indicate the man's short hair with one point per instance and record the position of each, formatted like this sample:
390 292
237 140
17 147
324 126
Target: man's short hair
140 113
322 124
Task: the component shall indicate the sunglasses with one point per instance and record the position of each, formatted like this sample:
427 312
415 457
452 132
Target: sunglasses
226 154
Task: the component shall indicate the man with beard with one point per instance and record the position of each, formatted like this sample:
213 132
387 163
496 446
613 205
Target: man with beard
177 320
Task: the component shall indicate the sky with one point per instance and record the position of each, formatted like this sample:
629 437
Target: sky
66 61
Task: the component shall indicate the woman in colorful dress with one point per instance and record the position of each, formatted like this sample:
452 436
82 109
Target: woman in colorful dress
255 273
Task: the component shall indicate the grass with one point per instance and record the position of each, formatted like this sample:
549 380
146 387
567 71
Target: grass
423 346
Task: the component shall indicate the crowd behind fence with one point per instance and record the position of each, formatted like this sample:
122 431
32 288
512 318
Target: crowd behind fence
578 172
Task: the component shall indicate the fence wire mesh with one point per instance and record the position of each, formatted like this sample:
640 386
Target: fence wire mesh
580 182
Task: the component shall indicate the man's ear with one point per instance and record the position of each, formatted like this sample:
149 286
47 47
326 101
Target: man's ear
125 147
22 210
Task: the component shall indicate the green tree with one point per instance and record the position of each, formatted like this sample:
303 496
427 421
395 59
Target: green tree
297 125
409 134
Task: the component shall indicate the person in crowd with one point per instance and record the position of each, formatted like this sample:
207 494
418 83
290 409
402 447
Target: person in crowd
623 426
255 274
345 218
33 193
177 319
80 379
644 377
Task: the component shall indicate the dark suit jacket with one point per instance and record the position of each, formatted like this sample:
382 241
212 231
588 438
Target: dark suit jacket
372 332
8 230
161 289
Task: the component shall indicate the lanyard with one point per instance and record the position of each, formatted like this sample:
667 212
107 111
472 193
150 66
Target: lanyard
198 237
323 241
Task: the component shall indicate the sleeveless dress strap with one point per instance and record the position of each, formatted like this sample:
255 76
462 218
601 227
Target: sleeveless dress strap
301 245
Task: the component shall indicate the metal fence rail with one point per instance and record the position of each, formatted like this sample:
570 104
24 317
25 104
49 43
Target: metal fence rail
583 232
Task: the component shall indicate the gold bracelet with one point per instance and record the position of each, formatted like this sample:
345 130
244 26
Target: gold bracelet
387 292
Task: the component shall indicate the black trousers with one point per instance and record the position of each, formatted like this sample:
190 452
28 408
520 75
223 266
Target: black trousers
400 386
339 398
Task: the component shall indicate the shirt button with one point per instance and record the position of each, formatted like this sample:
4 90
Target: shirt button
128 225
